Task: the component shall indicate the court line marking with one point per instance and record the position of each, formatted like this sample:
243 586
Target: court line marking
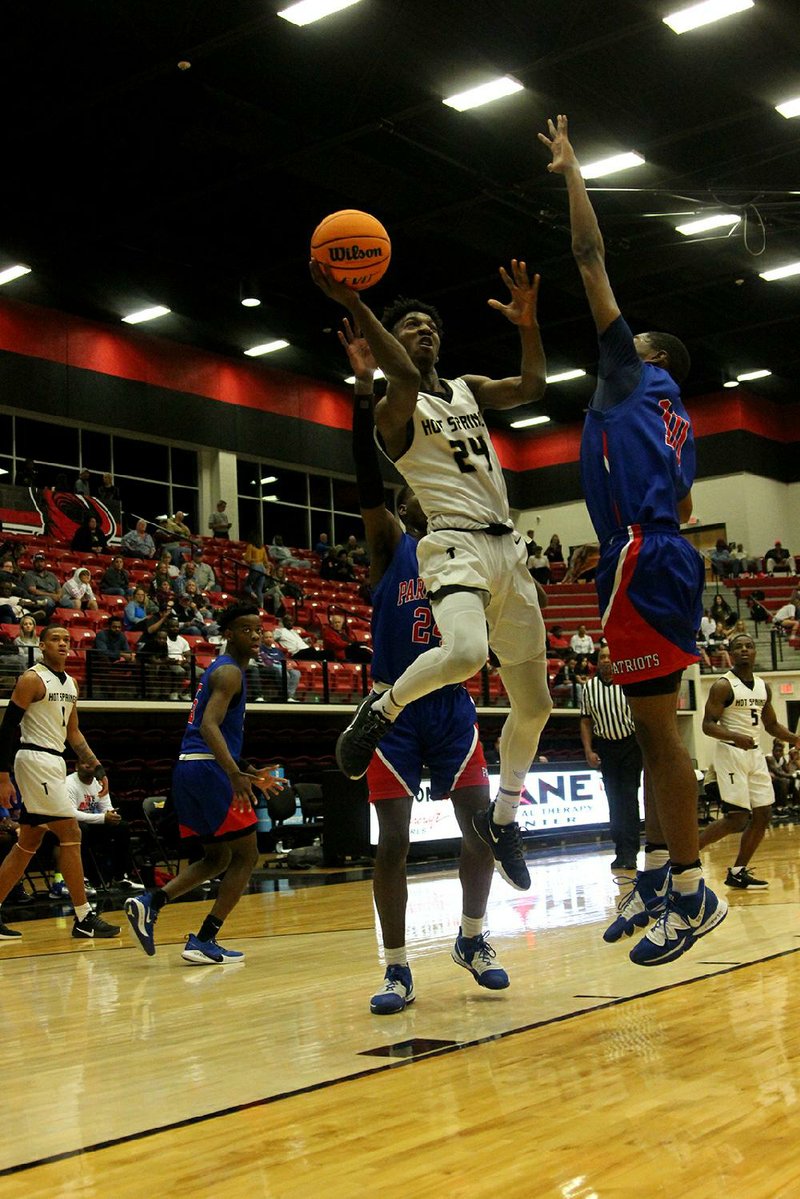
396 1064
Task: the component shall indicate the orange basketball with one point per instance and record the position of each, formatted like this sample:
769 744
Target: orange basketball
354 246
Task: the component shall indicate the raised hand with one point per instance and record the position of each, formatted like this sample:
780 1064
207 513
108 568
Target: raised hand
334 290
358 352
564 158
521 307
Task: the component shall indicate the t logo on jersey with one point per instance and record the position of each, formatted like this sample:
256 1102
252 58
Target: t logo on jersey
676 428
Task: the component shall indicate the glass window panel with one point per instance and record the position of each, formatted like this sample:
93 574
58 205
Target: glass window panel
186 499
47 443
249 519
7 469
6 433
142 500
96 451
247 476
184 467
142 459
320 523
290 486
291 523
345 525
345 496
320 488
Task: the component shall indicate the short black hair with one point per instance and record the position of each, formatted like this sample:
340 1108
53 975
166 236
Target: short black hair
50 628
234 612
405 304
738 637
678 361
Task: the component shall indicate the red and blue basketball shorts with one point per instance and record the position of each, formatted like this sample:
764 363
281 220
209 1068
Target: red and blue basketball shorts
204 803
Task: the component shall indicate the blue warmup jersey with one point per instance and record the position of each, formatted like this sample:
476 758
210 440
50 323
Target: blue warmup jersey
232 726
637 449
402 621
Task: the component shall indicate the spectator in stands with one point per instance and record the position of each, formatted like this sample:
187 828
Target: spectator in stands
747 565
179 653
293 644
108 492
166 563
323 546
115 580
204 575
565 684
282 556
161 575
356 551
195 618
187 572
14 606
27 475
135 614
581 642
338 567
781 776
339 644
111 643
89 538
785 620
41 584
77 591
758 612
219 522
723 564
554 552
266 672
83 483
164 597
718 645
27 642
538 565
273 595
181 539
255 557
103 832
10 573
721 611
556 640
293 590
138 543
779 560
152 649
707 626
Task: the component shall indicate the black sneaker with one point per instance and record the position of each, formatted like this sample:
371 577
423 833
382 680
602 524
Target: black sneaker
8 934
19 895
744 880
505 842
357 743
93 926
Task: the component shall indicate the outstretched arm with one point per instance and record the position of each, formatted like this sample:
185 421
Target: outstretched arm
587 240
773 726
529 386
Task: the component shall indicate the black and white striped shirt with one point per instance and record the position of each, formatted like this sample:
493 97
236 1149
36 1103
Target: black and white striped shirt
606 705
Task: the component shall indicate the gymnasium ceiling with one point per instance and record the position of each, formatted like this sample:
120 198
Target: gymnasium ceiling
131 182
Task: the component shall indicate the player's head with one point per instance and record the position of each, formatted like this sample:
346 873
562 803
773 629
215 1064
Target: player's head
742 649
240 625
410 512
418 327
54 645
666 351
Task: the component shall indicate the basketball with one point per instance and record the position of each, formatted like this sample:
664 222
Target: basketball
354 246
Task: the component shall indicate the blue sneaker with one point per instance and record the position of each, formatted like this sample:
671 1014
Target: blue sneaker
142 920
202 953
684 920
507 846
60 892
476 955
230 955
644 902
397 993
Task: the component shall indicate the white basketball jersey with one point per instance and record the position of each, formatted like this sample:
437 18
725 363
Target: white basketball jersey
451 463
743 714
45 721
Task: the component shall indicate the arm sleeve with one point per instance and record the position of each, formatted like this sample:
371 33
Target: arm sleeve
11 722
619 368
365 454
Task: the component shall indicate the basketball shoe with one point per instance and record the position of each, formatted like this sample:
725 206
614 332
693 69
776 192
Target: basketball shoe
644 902
397 993
8 934
744 879
208 953
684 920
93 926
477 955
142 919
505 842
357 743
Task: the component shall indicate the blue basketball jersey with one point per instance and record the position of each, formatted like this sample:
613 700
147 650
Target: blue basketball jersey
402 621
232 727
637 449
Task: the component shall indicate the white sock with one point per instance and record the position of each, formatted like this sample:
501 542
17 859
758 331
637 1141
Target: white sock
736 869
505 807
656 859
387 707
82 910
395 957
688 882
471 926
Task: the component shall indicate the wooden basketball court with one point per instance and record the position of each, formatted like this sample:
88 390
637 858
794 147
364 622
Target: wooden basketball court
589 1078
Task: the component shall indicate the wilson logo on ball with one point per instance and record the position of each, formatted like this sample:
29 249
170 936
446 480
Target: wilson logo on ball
351 253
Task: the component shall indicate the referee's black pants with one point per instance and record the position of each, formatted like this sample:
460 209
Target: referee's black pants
621 768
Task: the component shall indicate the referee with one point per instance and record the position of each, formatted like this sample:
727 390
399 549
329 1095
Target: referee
606 719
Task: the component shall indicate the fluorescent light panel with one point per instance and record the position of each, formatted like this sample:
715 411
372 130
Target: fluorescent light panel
308 11
565 376
746 378
251 302
731 383
13 272
610 166
706 223
269 479
789 108
781 272
268 347
485 94
378 375
704 14
146 314
530 420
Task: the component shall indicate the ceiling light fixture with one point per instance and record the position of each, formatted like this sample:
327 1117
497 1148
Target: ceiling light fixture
610 166
704 14
789 108
269 479
250 301
781 272
731 383
485 94
565 376
307 11
530 420
749 375
706 223
13 272
146 314
268 347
